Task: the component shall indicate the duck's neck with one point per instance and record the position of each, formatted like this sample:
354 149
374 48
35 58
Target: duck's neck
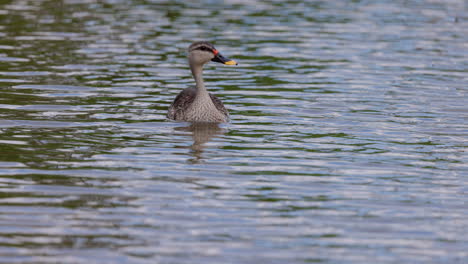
197 72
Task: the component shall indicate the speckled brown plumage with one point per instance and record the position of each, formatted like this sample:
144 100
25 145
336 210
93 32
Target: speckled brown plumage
182 101
181 105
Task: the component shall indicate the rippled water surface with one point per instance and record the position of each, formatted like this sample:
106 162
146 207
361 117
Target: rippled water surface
347 141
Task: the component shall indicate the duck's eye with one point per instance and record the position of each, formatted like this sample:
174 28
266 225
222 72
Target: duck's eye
204 49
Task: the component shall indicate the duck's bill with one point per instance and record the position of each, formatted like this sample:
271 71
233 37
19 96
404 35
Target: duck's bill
221 59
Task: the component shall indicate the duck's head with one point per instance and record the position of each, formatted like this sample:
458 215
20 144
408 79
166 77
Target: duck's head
202 52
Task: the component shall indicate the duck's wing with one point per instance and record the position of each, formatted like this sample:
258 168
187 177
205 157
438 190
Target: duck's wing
219 105
182 102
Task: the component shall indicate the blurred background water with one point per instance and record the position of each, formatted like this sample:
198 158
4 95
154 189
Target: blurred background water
347 142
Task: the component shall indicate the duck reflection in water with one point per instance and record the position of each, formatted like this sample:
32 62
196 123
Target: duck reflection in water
201 134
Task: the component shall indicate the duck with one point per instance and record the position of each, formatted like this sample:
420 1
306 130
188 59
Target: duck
196 104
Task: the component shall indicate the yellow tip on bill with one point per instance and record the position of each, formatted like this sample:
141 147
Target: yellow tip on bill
231 62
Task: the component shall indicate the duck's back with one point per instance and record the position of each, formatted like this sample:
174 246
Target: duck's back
183 109
181 103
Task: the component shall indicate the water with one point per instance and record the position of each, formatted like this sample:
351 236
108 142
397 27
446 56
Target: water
347 142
